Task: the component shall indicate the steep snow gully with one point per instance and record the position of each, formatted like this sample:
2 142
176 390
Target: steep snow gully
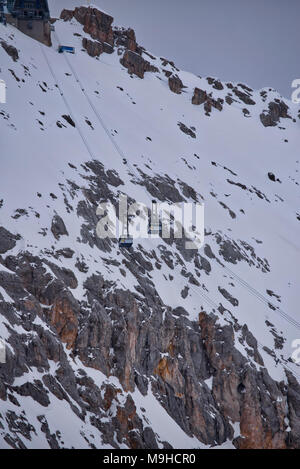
156 346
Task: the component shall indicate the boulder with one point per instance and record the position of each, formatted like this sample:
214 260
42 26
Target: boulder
187 130
277 109
7 240
58 227
175 84
201 96
96 48
93 48
215 83
10 50
136 64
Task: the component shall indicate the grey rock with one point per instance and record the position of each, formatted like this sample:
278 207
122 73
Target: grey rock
7 240
58 227
10 50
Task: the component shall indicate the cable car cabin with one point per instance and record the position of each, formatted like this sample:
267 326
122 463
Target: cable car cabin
69 49
125 242
154 225
155 228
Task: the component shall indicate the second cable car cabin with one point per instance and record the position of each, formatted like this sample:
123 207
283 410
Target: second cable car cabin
125 240
155 225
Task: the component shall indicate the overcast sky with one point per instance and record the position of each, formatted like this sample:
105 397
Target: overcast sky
251 41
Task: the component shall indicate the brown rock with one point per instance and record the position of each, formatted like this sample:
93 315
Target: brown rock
201 96
136 64
93 48
64 319
131 43
245 97
245 396
166 62
175 84
168 370
126 38
95 22
67 15
215 83
96 48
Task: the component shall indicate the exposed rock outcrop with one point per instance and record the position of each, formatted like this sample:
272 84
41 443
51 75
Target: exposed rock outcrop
187 130
175 84
95 22
7 240
277 109
64 314
215 83
127 39
293 395
136 64
11 50
249 397
243 96
96 48
58 227
93 48
201 97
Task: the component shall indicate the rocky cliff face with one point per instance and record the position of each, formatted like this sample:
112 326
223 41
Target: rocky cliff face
95 23
193 368
158 346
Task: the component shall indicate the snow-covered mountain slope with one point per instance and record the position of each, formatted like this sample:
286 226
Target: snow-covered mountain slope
158 345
